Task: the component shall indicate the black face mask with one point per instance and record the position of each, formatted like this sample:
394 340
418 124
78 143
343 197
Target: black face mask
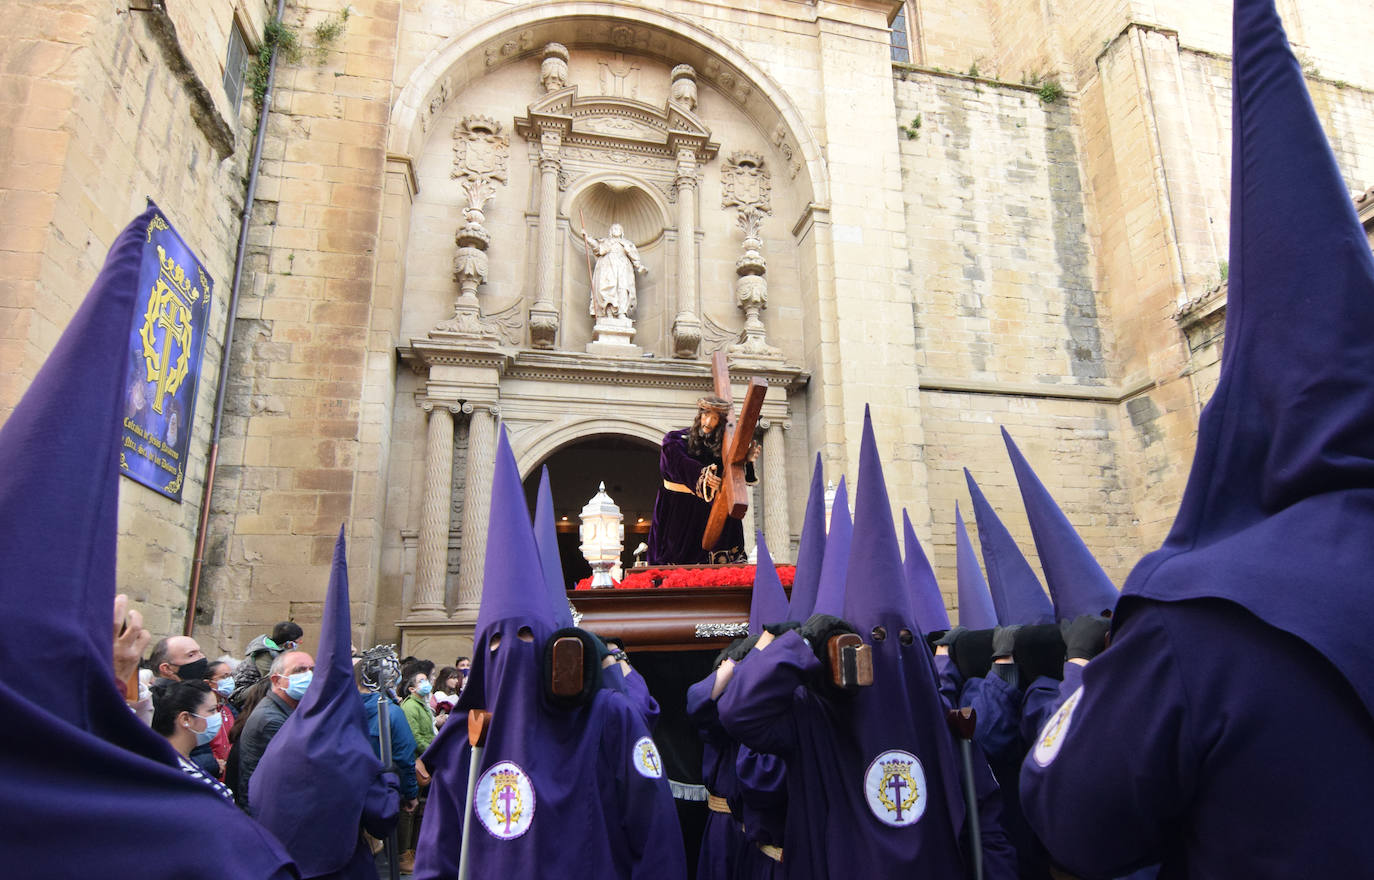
195 670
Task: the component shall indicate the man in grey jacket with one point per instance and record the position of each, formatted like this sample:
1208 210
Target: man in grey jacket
291 674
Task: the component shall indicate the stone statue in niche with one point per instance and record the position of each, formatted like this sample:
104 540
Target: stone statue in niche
613 279
613 293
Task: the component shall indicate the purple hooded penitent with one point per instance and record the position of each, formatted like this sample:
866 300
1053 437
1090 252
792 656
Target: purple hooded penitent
1278 513
830 589
1016 591
810 549
1077 583
975 600
77 757
1227 730
873 776
926 601
546 539
582 786
319 775
768 601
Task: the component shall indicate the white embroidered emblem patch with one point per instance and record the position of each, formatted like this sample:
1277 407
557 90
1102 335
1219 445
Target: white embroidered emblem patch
895 788
1051 738
504 800
646 758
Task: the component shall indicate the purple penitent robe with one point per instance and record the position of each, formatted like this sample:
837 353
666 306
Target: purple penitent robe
1265 760
722 838
680 517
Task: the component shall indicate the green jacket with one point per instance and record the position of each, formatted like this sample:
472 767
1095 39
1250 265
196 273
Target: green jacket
421 721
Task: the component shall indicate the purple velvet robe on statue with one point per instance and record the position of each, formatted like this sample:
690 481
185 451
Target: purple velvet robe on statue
680 517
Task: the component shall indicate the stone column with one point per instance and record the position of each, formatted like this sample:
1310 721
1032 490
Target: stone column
775 524
476 501
544 313
431 565
687 324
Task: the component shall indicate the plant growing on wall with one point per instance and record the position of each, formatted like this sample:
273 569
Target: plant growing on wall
913 130
287 41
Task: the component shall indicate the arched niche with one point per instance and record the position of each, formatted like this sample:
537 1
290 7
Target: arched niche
522 32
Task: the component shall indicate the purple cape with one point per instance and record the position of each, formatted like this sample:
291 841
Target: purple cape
580 787
1278 512
321 756
80 758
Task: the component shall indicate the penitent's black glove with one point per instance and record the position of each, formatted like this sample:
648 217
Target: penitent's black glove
818 630
777 629
1085 636
951 636
1004 640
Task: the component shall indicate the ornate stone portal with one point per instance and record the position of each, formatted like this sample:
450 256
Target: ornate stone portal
613 138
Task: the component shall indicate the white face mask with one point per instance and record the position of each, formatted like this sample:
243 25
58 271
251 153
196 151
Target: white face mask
213 721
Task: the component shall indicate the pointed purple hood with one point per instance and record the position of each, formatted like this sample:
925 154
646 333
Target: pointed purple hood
975 600
830 592
926 599
902 709
1077 583
810 549
546 539
1016 591
322 754
1279 507
59 451
768 602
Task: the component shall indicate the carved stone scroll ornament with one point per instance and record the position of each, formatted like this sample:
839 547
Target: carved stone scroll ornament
470 269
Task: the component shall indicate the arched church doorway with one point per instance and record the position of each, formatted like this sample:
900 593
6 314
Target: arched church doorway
629 468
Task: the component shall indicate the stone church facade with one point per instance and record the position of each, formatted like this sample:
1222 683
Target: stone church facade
963 216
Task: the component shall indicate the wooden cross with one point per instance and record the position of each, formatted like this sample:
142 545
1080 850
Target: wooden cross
732 499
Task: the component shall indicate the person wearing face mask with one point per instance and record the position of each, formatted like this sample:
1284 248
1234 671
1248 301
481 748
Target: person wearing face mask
417 689
290 674
221 681
187 715
178 658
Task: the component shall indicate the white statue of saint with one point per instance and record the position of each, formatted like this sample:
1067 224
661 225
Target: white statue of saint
613 279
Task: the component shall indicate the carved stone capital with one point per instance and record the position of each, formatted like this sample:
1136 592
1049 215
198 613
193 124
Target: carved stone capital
543 326
686 335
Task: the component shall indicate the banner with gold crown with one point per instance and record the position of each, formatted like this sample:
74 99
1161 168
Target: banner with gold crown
166 342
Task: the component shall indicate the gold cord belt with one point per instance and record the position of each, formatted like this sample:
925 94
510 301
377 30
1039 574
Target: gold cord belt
677 487
773 852
717 804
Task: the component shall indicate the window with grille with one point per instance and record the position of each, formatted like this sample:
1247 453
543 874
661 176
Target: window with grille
235 65
901 40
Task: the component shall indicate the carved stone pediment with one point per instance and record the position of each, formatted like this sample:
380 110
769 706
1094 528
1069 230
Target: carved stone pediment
609 123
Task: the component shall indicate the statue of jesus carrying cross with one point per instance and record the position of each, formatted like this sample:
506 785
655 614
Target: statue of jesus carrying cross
705 471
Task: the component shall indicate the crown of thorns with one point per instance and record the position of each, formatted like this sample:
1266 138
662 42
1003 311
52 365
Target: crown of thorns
711 403
380 667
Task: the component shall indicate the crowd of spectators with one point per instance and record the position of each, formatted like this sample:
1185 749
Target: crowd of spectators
220 715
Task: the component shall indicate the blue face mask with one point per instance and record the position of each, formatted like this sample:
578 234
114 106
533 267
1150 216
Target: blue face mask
424 688
298 683
225 686
212 725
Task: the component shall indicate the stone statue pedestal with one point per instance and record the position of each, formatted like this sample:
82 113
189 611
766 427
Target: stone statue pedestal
611 338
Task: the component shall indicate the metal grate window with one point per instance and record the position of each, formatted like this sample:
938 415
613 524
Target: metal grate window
901 43
235 65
